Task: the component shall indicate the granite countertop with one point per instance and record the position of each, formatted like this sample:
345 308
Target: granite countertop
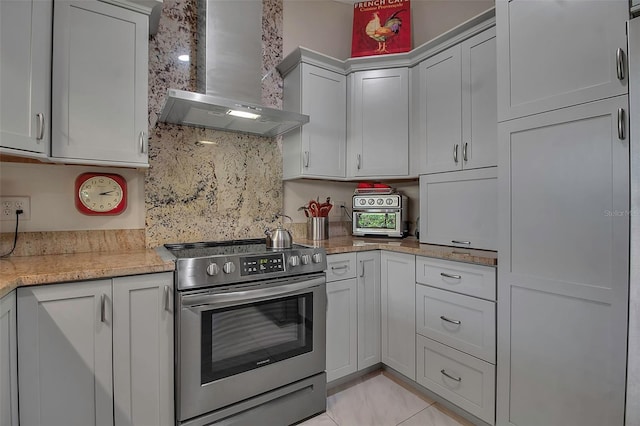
22 271
33 270
408 245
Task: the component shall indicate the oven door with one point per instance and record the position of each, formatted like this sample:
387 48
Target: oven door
240 341
377 222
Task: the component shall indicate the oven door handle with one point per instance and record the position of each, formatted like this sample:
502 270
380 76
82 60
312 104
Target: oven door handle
203 302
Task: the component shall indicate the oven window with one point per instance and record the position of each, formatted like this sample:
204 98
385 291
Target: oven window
376 220
241 338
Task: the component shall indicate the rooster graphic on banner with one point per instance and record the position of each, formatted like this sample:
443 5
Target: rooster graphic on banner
380 27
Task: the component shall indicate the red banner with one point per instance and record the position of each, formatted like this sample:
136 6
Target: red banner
381 27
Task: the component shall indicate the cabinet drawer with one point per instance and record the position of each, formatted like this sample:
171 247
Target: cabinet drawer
460 378
341 266
462 322
473 280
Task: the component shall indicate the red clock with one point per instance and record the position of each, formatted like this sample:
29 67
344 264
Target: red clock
101 194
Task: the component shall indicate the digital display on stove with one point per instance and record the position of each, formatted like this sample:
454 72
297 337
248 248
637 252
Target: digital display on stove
254 265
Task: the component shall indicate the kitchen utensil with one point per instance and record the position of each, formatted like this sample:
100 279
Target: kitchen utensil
279 238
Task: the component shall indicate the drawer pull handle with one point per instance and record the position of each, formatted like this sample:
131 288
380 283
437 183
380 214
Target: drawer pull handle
457 379
40 129
456 322
103 307
621 121
306 159
455 153
339 268
455 277
620 64
461 242
166 298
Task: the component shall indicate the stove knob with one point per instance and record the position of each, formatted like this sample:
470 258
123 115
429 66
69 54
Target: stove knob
317 257
213 269
305 259
294 261
380 201
229 268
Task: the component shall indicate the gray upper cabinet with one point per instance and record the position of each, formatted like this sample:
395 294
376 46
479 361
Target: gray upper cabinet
25 77
554 54
317 149
457 106
99 84
378 123
563 279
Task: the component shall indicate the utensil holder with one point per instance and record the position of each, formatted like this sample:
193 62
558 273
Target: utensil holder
318 228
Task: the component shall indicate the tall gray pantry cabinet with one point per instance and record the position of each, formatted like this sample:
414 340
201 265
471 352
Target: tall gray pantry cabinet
563 176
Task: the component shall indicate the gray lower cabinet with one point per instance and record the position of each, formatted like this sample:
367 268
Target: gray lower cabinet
462 379
80 365
8 361
368 281
342 328
397 282
353 312
564 266
456 333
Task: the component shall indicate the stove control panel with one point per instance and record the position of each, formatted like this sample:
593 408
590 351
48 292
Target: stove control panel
267 263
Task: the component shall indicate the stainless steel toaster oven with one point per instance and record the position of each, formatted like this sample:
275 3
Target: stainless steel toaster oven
380 215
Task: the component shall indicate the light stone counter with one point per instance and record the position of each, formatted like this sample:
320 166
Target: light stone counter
49 269
405 245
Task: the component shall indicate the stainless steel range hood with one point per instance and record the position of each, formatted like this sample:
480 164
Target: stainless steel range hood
228 68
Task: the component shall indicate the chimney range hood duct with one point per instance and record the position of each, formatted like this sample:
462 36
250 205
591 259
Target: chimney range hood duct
228 69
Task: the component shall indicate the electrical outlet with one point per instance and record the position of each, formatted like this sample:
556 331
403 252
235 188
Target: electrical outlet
337 208
11 204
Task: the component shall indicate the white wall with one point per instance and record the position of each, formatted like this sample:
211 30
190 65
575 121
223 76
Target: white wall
320 25
51 191
325 25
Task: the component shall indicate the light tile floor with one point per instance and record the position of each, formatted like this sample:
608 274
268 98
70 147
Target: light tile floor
378 399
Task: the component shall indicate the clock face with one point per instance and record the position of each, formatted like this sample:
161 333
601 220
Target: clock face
100 193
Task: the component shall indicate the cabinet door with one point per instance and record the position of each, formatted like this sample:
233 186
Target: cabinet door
25 76
143 350
564 267
378 142
100 80
324 99
441 111
398 283
460 209
554 54
8 361
342 328
368 308
479 146
65 371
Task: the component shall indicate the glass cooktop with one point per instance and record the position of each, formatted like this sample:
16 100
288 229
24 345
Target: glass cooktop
222 248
